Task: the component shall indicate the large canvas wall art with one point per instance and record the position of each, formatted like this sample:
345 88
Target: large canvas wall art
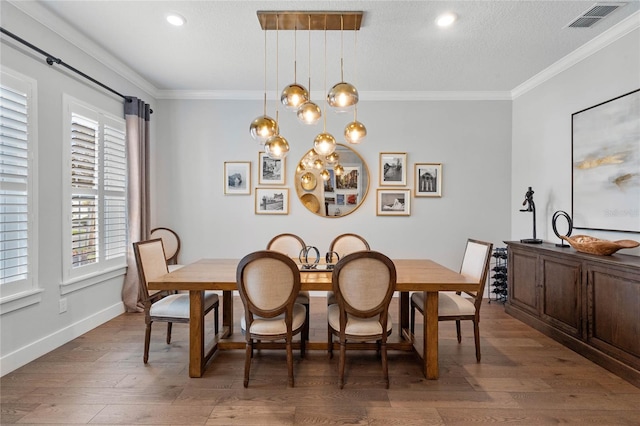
606 165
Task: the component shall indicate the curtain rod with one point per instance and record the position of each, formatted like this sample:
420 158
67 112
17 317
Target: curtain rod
53 60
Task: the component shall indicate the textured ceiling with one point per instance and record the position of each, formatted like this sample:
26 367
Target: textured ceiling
494 46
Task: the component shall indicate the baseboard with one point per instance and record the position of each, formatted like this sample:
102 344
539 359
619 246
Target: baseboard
34 350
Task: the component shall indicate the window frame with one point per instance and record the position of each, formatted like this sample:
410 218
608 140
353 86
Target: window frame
25 292
74 278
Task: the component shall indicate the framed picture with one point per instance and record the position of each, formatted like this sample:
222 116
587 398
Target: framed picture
605 164
393 168
237 177
393 202
271 171
272 201
428 177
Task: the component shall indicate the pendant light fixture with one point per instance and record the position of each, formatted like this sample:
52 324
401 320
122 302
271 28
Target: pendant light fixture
276 146
355 132
343 96
324 144
294 94
264 127
309 112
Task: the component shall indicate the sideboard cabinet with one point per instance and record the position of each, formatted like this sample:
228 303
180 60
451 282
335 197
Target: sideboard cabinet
589 303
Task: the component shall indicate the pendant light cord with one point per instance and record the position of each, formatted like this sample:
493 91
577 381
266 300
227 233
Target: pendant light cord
265 72
341 48
309 57
324 113
277 69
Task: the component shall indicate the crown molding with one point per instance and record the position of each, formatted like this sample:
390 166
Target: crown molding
51 21
613 34
246 95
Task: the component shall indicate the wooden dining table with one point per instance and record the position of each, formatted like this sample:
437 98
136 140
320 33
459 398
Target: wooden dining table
220 274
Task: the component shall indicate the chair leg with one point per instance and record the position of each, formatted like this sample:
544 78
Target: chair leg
476 335
303 340
329 342
412 321
169 325
216 325
290 361
341 364
458 331
385 366
247 362
147 340
307 322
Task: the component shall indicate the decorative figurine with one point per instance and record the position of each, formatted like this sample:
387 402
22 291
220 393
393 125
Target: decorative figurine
531 207
555 217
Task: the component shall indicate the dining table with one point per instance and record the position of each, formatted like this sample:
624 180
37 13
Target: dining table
220 274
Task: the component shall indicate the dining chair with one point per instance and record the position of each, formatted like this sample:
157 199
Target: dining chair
363 284
268 283
160 305
343 245
171 243
292 245
453 306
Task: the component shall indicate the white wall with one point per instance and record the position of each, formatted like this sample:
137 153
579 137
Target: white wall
470 138
542 134
35 330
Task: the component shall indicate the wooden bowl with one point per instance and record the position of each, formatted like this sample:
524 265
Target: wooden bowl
592 245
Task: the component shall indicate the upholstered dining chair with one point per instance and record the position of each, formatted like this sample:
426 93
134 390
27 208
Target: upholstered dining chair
453 306
363 284
268 283
171 243
292 245
162 305
343 245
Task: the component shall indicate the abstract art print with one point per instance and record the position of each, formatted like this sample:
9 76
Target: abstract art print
606 165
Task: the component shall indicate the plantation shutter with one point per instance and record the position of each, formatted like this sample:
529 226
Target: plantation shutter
115 198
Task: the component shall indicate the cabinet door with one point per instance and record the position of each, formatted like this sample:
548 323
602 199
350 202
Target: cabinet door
561 294
613 312
522 280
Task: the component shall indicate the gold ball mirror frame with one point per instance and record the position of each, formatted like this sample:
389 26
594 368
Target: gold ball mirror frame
339 195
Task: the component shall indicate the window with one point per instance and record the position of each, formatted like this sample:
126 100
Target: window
18 226
96 240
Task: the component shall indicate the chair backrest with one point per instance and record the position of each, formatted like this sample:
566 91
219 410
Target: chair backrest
171 243
364 282
475 265
348 243
151 263
288 244
268 283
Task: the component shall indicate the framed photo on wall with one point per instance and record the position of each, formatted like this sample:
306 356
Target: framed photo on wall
272 201
237 177
393 168
393 202
428 180
606 161
271 171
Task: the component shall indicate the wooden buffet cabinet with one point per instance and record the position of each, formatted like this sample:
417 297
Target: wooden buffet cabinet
589 303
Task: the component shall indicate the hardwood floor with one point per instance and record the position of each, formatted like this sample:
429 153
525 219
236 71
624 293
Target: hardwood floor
524 378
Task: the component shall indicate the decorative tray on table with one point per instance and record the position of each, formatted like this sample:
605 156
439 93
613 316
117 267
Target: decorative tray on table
592 245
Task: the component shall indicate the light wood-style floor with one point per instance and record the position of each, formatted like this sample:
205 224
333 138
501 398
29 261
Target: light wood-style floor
524 378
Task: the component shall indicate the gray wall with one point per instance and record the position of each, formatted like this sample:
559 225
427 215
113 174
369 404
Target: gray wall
542 134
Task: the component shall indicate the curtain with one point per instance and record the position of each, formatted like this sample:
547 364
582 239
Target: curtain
137 115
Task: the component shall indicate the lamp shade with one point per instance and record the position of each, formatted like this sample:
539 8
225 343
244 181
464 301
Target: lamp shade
309 113
263 128
324 144
333 158
343 97
293 96
355 132
276 147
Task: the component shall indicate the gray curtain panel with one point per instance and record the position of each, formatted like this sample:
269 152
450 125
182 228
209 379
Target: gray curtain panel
137 116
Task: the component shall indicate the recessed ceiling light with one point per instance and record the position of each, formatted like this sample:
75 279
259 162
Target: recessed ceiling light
175 19
446 19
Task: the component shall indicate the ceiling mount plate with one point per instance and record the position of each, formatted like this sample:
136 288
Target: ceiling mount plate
299 20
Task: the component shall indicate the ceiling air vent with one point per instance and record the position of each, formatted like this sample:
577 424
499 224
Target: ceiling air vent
597 12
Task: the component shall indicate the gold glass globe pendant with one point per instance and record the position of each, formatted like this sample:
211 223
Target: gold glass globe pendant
343 96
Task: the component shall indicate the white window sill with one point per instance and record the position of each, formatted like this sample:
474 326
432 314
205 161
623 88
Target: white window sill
20 300
88 280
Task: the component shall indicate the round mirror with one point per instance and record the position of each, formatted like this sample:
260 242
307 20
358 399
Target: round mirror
344 189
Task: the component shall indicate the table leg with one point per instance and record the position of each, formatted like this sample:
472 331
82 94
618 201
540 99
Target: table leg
403 320
430 320
227 313
196 333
